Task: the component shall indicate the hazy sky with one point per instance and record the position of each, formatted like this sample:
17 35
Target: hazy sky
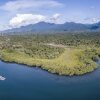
15 13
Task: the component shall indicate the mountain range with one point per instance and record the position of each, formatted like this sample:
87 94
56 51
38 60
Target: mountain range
47 27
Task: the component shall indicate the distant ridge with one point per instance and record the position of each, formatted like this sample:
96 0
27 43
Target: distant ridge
44 26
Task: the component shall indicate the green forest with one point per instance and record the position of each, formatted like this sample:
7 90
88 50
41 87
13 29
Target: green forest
60 53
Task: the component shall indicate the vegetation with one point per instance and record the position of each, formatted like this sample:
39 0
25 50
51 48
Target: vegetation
64 54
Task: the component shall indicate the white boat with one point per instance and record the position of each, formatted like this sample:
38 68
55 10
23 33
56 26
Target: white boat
2 78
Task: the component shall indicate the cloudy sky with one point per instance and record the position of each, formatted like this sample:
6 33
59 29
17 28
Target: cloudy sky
16 13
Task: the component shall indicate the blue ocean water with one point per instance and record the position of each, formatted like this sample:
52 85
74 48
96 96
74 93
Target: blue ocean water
26 83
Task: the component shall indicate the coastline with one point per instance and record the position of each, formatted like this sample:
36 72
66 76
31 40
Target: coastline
47 65
39 67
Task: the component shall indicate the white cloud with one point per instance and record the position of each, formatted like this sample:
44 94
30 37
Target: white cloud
91 20
25 19
36 4
55 18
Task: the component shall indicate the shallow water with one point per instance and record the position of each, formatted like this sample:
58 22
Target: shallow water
25 83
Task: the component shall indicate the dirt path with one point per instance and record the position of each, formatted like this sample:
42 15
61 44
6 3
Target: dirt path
55 45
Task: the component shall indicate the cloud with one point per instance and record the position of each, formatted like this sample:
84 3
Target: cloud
25 19
91 20
55 18
24 4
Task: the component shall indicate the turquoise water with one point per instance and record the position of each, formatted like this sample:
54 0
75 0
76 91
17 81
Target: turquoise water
25 83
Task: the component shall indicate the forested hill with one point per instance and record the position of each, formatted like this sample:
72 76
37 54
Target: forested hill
51 27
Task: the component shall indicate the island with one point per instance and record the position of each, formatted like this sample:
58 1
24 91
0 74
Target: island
68 53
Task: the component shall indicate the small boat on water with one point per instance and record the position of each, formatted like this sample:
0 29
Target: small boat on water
2 78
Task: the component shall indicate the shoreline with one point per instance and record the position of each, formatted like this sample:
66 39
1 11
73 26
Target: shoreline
39 67
72 62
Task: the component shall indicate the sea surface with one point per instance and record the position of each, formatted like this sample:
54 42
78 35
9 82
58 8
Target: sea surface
31 83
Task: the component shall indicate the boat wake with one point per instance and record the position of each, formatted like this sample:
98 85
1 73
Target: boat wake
2 78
